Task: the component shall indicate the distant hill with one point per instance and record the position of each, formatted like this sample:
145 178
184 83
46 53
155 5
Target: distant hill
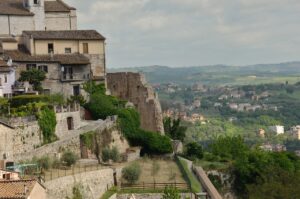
220 74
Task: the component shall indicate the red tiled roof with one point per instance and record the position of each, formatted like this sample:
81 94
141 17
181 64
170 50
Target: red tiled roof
16 189
57 6
65 35
13 7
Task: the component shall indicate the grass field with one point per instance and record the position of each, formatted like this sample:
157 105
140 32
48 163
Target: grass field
167 172
206 165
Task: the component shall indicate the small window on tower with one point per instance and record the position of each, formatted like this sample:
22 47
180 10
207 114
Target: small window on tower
35 2
68 50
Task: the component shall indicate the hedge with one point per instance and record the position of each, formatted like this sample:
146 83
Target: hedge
21 100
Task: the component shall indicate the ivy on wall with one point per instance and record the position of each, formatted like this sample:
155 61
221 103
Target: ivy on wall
47 123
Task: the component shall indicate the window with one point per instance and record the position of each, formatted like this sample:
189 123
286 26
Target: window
76 90
5 78
35 2
85 48
43 68
30 66
50 48
68 50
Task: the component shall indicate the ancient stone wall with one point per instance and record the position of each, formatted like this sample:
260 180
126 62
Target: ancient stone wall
62 128
93 184
133 87
6 137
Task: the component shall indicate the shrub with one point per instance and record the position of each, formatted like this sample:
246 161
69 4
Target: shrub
44 162
131 173
114 154
47 123
105 154
171 192
69 158
22 100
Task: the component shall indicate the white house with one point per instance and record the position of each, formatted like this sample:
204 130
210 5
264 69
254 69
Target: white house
7 79
277 129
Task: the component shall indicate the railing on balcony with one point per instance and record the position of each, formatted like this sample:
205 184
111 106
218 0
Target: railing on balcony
74 76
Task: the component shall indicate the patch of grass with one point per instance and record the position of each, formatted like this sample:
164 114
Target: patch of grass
109 193
190 177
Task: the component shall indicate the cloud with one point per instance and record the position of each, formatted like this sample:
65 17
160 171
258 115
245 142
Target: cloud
194 32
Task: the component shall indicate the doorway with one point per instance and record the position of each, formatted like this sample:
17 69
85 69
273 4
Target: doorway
70 123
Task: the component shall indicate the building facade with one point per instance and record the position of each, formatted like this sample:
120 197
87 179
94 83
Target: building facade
19 15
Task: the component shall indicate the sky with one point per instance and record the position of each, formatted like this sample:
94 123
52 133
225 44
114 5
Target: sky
194 32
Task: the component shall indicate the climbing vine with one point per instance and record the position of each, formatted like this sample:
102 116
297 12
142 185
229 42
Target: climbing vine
47 123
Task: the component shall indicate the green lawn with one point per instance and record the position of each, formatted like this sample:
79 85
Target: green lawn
207 165
191 178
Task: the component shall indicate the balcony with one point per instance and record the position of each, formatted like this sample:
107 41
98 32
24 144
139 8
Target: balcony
74 77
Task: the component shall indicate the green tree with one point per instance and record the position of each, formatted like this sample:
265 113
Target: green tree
34 77
173 128
194 150
171 192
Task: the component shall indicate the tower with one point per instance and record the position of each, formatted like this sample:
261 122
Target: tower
37 7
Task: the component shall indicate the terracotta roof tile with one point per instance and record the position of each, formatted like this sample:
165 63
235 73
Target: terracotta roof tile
65 35
21 56
15 189
13 7
57 6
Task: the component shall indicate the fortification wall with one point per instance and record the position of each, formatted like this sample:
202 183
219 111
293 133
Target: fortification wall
133 87
93 184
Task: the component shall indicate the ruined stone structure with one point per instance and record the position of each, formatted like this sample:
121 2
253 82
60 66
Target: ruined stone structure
133 87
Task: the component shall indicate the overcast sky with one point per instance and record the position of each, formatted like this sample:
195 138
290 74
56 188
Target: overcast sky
194 32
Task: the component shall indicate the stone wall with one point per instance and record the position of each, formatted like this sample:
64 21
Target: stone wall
93 184
26 138
15 24
6 137
133 87
62 124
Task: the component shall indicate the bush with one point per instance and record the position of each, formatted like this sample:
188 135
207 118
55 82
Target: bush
105 154
114 154
34 77
171 192
44 162
22 100
131 173
69 158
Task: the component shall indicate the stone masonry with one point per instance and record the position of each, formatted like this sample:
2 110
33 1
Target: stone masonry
134 88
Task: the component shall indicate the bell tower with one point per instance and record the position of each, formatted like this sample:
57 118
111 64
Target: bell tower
37 7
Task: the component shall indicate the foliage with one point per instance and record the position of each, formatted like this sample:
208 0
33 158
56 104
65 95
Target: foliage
88 139
44 162
76 99
69 158
34 77
92 87
194 150
4 104
171 192
105 154
56 99
47 123
76 193
173 128
115 154
22 100
131 173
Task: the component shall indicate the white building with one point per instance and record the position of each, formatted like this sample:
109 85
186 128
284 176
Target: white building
277 129
19 15
7 79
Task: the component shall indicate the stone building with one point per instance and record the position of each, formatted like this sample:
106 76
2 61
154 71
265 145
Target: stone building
7 79
19 15
6 139
133 87
69 58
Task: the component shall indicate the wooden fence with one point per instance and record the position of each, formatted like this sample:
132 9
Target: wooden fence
155 186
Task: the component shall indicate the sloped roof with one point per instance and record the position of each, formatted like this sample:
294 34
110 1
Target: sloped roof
68 59
65 35
13 7
15 189
57 6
